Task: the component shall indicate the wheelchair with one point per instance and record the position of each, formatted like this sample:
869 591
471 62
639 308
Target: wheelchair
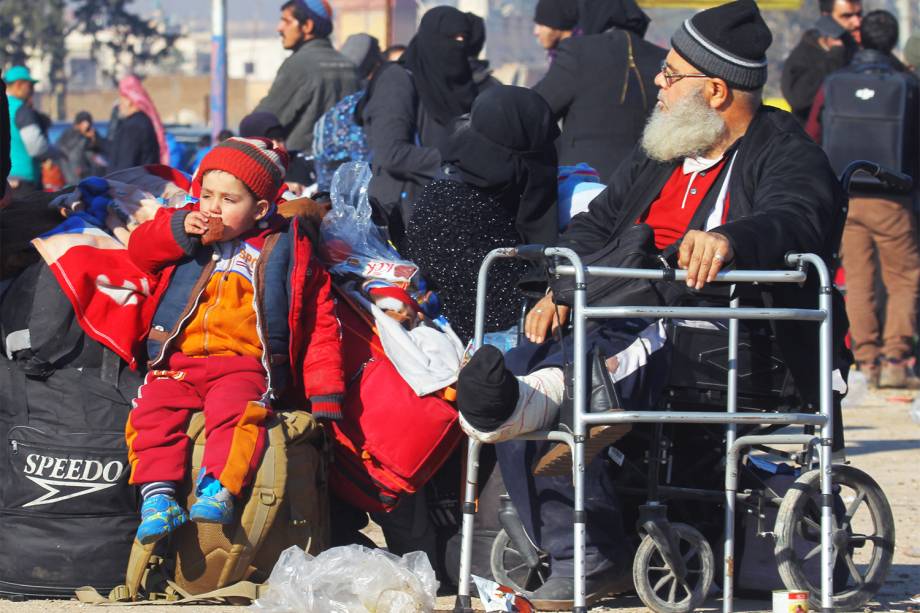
833 534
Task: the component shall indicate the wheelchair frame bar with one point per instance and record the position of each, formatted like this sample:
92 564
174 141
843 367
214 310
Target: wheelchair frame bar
729 276
576 440
703 417
704 313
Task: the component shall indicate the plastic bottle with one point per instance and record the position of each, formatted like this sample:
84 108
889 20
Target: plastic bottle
915 410
857 388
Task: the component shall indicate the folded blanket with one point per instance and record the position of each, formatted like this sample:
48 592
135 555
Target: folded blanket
111 296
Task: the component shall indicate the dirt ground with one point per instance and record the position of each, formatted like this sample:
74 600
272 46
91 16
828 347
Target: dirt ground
882 440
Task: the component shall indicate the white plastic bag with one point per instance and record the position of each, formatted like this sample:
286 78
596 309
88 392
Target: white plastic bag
350 579
352 243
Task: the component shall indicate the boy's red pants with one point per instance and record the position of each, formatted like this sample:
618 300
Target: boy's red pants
228 389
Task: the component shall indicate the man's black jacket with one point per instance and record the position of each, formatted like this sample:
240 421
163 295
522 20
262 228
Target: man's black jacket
805 69
603 102
783 197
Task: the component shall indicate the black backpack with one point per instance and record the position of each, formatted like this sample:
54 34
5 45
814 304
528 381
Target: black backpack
872 112
67 513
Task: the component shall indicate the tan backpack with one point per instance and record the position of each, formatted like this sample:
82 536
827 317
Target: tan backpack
287 504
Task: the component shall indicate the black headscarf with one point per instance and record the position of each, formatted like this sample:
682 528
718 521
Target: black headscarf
4 138
557 14
364 51
477 38
440 64
506 149
596 16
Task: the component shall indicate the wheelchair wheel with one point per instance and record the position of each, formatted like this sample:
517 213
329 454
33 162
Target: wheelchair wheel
863 536
659 588
509 568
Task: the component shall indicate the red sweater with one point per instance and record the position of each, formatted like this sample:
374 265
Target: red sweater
670 215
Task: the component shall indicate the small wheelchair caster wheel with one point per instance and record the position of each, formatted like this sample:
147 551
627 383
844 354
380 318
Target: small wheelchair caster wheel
862 534
659 588
510 569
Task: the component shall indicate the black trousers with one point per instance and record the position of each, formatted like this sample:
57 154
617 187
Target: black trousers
545 504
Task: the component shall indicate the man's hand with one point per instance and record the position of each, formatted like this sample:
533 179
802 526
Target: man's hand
702 255
545 317
196 223
296 188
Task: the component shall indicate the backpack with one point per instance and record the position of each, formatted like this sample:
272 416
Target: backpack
286 505
67 512
375 463
872 112
338 139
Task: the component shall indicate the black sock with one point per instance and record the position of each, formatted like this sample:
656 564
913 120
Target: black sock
487 392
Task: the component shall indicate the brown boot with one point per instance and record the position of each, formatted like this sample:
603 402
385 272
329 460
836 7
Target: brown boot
870 371
603 398
898 374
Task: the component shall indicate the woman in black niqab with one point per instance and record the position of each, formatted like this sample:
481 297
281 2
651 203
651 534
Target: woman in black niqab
499 189
506 149
597 16
438 58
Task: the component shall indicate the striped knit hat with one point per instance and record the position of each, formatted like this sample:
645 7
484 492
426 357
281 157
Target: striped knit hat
254 161
728 42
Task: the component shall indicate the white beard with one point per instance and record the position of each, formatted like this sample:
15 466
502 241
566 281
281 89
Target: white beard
689 128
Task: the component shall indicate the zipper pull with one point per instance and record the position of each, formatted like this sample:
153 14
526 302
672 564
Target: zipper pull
15 447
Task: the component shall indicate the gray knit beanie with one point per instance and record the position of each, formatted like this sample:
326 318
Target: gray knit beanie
729 42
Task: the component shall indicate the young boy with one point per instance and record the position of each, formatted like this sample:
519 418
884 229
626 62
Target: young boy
246 317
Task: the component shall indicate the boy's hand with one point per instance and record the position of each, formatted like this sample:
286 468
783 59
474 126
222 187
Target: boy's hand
196 223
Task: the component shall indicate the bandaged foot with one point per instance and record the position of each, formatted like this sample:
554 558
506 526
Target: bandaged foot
525 404
486 391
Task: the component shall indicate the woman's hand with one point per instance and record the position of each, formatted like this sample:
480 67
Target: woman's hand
545 317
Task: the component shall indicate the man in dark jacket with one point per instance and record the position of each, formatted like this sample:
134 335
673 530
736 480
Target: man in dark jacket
313 78
81 147
722 181
882 222
821 51
554 21
602 87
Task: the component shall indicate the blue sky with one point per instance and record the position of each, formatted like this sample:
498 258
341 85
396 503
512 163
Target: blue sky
262 10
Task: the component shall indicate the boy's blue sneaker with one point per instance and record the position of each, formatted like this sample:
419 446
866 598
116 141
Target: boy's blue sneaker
160 515
214 504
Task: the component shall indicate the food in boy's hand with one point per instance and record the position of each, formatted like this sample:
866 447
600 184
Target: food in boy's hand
215 231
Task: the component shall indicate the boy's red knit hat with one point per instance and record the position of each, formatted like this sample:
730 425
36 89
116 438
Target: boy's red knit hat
254 161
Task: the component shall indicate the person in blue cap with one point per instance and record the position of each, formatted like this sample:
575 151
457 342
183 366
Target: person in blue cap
28 141
313 78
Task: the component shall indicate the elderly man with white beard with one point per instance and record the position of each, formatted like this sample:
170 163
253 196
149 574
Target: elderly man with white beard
719 180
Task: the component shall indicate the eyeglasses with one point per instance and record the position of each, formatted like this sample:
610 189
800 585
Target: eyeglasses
670 78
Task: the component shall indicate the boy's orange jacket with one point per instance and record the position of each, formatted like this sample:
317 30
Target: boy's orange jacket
296 323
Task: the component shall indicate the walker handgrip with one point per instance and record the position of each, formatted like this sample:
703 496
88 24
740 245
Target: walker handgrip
893 179
533 253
